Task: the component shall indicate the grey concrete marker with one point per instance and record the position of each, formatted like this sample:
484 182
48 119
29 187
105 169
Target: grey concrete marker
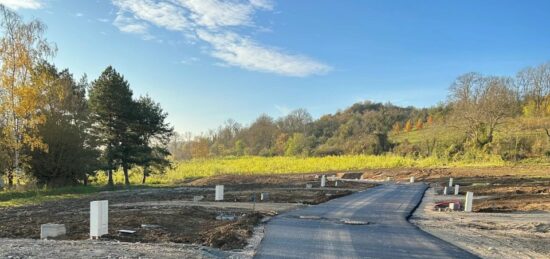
219 193
469 202
52 230
457 188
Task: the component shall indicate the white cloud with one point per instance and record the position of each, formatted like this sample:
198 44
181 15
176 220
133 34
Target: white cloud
162 14
130 25
22 4
248 54
215 13
213 22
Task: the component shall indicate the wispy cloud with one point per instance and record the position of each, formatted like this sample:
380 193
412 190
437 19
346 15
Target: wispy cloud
22 4
248 54
216 22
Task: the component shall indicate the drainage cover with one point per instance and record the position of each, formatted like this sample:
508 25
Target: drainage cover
355 222
309 217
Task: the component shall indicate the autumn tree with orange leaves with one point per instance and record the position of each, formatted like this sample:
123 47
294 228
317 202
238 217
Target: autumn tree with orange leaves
22 48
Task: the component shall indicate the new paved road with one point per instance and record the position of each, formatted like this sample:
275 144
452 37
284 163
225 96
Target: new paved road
318 231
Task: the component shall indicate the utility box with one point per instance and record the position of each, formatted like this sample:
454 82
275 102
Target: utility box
469 202
99 219
52 230
219 193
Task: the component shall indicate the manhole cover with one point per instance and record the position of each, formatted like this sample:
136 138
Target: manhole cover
355 222
309 217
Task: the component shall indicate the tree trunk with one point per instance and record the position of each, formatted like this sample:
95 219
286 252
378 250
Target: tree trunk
110 175
145 174
10 179
126 178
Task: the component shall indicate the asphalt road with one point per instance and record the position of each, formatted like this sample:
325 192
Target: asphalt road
318 231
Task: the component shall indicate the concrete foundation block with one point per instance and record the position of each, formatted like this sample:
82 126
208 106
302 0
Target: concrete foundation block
219 193
452 206
469 202
99 218
52 230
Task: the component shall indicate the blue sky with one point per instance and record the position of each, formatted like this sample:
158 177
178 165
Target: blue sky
210 60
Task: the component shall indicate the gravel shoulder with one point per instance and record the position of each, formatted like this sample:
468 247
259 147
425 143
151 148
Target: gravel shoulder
488 235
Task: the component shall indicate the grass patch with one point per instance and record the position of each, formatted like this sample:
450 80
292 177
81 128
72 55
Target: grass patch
31 197
253 165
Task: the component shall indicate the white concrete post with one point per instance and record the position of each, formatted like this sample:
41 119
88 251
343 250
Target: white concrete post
450 182
336 184
457 188
445 190
469 202
99 218
452 206
412 179
323 181
219 193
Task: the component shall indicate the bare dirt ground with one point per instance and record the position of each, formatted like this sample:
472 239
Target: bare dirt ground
489 235
505 189
166 216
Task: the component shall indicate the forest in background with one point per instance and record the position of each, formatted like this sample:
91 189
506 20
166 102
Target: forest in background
58 130
504 116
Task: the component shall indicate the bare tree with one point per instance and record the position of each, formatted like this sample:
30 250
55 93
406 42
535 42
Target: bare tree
481 103
535 85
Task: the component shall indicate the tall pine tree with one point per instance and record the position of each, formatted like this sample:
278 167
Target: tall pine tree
112 112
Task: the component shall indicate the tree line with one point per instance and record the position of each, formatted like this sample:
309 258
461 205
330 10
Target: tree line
58 130
478 106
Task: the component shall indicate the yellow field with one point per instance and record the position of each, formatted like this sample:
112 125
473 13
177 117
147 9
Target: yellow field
286 165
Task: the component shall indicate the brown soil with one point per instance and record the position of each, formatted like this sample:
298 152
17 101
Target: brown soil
171 222
507 189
